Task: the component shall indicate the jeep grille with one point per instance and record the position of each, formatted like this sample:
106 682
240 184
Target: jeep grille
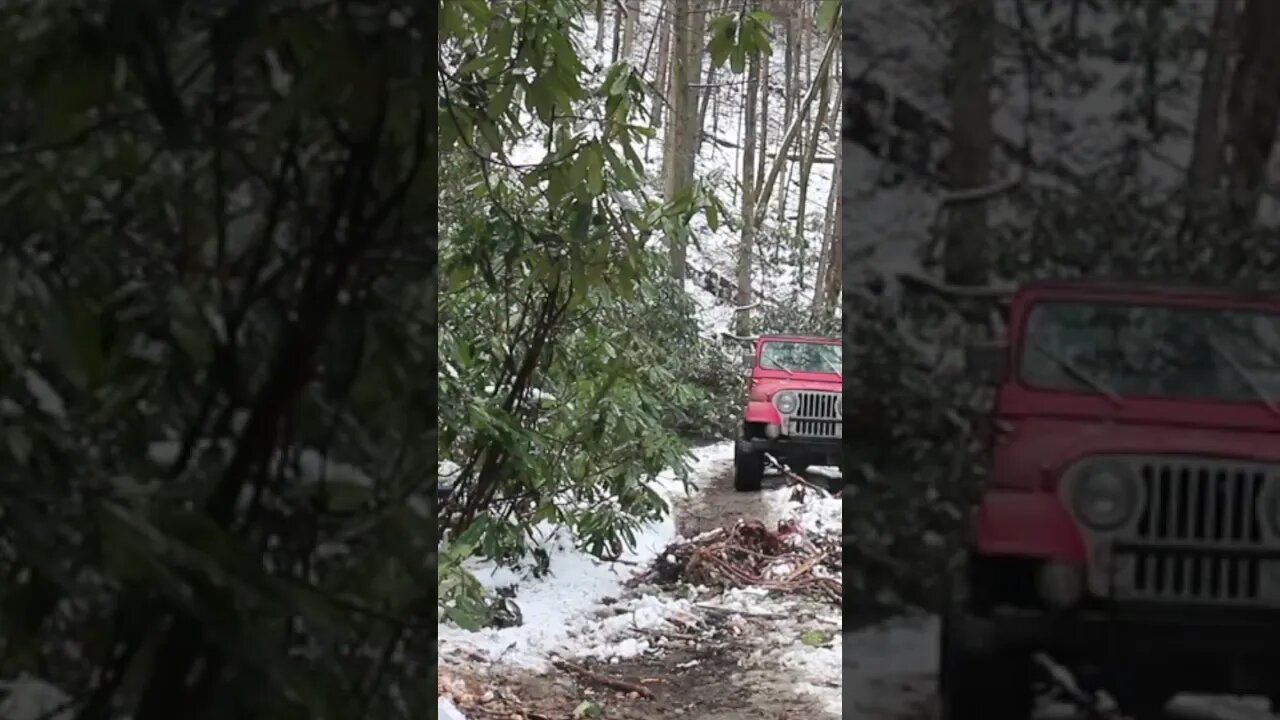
817 415
1198 535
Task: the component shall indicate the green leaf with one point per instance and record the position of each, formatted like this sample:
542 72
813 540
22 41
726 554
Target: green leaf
828 14
74 341
500 102
595 170
816 638
581 222
19 445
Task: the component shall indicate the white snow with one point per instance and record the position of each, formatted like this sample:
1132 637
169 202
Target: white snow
889 668
30 698
447 711
557 609
47 399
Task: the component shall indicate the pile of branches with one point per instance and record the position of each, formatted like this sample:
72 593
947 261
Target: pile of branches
749 554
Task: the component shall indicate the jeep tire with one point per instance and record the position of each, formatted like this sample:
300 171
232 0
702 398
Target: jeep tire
748 470
973 686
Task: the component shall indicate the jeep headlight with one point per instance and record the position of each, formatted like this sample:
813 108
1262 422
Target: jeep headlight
785 401
1104 496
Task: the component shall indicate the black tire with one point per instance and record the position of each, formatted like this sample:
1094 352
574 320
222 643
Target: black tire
983 687
748 471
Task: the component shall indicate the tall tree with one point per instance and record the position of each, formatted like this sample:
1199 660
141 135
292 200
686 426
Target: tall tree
662 75
1253 108
811 151
969 165
631 10
746 249
1206 150
688 29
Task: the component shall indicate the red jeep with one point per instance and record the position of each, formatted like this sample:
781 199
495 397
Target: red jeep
1130 525
794 407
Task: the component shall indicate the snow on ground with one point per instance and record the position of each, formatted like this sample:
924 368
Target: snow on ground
581 609
888 669
28 698
557 609
447 711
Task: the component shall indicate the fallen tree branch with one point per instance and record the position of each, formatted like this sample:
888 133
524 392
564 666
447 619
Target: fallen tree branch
608 681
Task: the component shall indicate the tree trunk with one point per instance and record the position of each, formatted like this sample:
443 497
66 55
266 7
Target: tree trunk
704 103
1253 108
766 74
969 166
691 125
1206 151
831 231
833 272
746 250
599 25
1152 41
661 84
790 91
811 152
615 51
688 28
824 67
629 24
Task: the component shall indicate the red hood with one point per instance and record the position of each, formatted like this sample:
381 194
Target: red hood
765 383
1034 447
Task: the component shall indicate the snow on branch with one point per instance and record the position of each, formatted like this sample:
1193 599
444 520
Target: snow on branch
921 282
977 194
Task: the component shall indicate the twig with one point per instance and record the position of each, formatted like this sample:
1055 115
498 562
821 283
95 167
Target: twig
794 478
605 680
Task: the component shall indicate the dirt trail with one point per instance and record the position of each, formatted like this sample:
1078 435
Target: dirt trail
727 678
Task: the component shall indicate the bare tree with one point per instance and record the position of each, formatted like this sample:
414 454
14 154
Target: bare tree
969 166
1206 151
631 8
746 250
811 151
821 77
661 84
1253 108
832 237
599 44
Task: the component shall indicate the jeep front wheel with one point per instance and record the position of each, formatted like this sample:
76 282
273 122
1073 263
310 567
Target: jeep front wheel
973 686
748 470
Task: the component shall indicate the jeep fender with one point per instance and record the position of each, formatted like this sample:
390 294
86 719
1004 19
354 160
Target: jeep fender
1027 523
762 412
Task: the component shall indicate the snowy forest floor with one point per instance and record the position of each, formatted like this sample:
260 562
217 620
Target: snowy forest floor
676 650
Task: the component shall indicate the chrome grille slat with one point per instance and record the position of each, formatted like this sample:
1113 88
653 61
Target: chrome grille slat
1191 538
817 415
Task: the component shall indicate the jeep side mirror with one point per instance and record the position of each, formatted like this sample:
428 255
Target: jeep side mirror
985 362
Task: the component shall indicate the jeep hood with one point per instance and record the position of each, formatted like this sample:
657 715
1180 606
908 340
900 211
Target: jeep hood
767 386
1031 447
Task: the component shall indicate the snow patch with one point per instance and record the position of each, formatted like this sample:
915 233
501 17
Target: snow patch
30 698
557 608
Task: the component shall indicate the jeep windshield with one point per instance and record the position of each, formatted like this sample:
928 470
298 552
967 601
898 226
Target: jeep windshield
1119 349
794 356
